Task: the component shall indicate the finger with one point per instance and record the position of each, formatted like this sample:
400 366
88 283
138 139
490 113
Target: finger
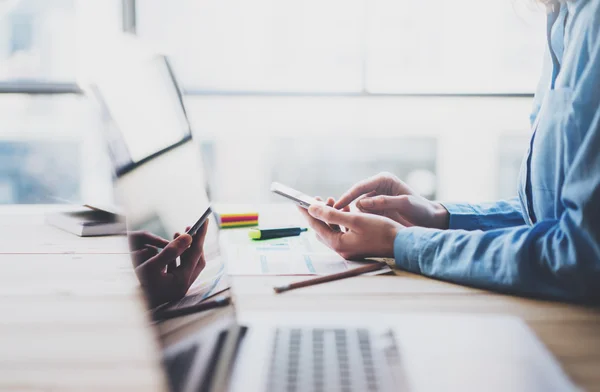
343 228
324 232
140 238
172 266
332 216
140 256
155 240
330 202
199 267
193 257
303 212
382 203
367 195
201 234
360 188
177 234
311 222
170 252
310 219
185 270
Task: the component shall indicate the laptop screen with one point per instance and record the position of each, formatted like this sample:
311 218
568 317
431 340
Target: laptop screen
161 187
145 107
162 197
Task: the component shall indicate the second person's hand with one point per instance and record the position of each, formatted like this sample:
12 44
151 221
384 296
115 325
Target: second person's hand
386 195
156 268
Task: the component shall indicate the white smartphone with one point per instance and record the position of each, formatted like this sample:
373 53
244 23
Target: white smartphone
297 197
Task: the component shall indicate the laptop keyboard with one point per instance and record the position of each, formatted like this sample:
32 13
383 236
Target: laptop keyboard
322 360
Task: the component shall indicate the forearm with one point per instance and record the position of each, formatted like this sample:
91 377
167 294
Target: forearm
550 259
484 216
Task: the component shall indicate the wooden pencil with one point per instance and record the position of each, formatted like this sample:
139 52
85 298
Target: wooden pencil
329 278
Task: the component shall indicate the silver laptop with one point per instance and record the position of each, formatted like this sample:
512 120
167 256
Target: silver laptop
162 188
225 349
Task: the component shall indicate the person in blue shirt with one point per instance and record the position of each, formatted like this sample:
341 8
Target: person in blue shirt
543 243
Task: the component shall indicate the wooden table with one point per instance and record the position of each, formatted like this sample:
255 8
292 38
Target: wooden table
72 316
570 332
75 321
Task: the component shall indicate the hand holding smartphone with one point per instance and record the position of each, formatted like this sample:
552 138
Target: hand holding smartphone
297 197
194 229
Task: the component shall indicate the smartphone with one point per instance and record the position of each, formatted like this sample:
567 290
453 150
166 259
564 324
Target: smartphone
297 197
194 229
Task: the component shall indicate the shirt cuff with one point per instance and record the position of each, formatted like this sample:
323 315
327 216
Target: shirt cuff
462 216
409 245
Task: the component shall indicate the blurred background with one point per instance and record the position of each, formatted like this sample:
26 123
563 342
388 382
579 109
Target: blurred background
317 94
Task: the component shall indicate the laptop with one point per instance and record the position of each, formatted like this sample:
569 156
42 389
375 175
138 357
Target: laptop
162 189
225 349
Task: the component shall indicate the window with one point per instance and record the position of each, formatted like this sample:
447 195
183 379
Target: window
342 46
329 83
40 148
50 150
464 46
38 41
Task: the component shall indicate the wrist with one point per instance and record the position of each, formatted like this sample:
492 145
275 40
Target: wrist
391 240
441 216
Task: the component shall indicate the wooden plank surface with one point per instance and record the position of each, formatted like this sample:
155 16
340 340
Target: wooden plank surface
570 332
73 317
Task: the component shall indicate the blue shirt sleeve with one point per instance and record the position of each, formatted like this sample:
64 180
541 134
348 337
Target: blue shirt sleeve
557 258
486 216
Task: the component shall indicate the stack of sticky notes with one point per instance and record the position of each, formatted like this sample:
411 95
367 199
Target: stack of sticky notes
238 220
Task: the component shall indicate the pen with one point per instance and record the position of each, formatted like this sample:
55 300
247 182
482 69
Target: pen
265 234
329 278
159 314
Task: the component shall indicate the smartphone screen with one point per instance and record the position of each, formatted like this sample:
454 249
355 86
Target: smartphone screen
298 197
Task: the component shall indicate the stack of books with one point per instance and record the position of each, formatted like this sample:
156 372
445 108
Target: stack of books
88 221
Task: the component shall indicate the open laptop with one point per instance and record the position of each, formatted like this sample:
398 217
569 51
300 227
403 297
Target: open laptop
159 181
226 349
149 139
163 190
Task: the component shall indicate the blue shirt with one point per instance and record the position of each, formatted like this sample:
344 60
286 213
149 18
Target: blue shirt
546 241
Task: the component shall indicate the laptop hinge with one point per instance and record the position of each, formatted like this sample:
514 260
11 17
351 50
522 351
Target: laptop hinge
222 359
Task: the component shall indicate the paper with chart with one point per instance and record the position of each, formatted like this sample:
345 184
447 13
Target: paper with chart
300 255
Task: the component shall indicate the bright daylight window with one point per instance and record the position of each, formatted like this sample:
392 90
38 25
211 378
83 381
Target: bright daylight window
38 41
270 76
265 79
46 155
376 46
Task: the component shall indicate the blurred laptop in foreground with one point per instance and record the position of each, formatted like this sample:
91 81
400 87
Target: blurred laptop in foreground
162 189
